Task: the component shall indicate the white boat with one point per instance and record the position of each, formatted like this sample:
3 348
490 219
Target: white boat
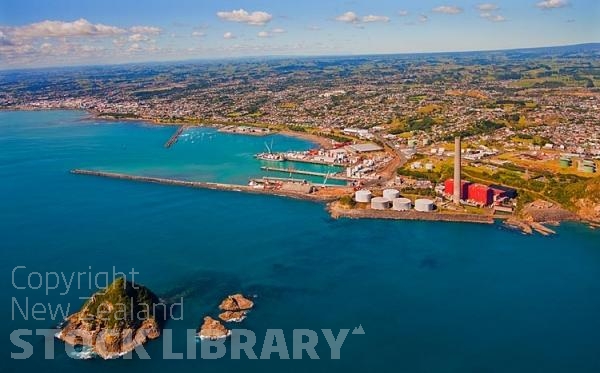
272 157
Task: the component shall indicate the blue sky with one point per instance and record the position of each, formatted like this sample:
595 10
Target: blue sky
46 33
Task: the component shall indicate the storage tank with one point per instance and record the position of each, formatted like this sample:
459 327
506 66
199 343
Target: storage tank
363 196
391 194
565 162
424 205
380 203
402 204
588 169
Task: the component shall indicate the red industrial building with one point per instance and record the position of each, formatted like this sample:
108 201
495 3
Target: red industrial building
481 194
464 188
477 193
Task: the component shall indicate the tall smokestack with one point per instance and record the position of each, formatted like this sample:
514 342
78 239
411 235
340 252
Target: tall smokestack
457 171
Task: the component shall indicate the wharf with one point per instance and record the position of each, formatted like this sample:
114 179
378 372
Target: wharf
311 161
302 172
173 139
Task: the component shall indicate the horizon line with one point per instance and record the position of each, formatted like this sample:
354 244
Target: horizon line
299 56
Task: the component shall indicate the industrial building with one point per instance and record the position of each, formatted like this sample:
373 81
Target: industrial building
364 148
481 194
503 192
449 188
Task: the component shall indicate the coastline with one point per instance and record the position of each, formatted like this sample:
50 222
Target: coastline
323 142
336 211
313 138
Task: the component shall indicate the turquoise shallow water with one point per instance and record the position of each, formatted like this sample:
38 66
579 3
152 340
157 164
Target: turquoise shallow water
430 297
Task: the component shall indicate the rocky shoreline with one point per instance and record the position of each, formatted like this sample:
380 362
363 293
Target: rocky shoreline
336 211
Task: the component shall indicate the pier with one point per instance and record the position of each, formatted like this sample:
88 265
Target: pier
302 172
173 139
312 161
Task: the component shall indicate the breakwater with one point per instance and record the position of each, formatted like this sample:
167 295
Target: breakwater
173 139
203 185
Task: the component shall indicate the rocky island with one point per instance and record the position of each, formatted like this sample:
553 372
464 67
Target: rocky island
115 320
235 308
213 330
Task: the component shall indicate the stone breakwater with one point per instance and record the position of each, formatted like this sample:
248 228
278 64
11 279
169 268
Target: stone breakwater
334 209
204 185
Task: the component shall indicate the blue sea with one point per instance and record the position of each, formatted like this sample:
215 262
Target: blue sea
430 297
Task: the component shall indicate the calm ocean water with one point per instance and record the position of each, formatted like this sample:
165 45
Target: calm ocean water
430 297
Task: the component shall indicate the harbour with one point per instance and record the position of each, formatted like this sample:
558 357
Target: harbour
288 252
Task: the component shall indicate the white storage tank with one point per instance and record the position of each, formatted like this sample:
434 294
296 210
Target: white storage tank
424 205
391 194
363 196
380 203
402 204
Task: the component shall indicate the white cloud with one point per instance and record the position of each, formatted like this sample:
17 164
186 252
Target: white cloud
120 42
423 18
488 11
138 37
257 18
448 9
493 17
487 7
351 17
263 34
145 30
278 31
198 34
313 28
348 17
372 18
135 47
228 35
4 40
80 27
552 4
403 13
46 48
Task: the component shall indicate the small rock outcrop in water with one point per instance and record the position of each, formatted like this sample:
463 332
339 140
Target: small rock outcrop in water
213 329
116 320
236 307
232 316
236 303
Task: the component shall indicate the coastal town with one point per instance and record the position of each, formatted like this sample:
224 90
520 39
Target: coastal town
530 129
